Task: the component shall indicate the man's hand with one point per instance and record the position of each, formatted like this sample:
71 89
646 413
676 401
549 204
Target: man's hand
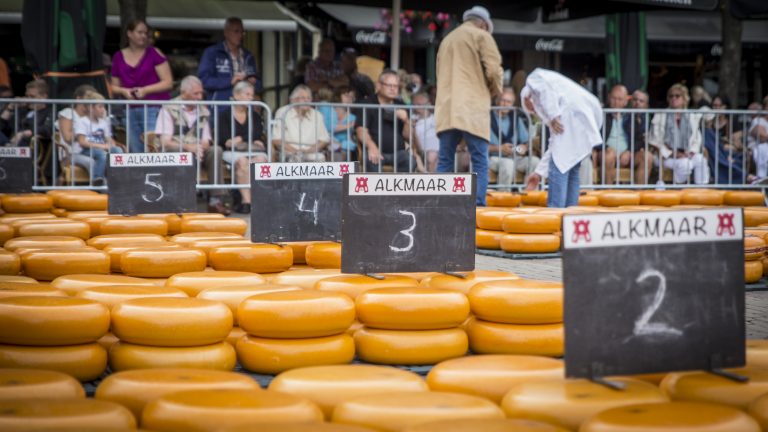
401 115
237 77
374 156
533 182
139 93
556 126
507 149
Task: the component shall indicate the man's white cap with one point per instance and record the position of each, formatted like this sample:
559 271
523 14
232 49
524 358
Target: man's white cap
479 12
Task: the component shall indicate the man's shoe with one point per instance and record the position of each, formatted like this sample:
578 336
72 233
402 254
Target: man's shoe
243 208
218 207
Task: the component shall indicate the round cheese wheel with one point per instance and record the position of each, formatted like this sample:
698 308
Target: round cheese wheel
485 425
671 417
19 289
21 252
758 409
17 279
518 301
173 220
110 295
399 410
755 216
323 255
618 198
463 284
107 341
23 384
83 362
706 387
744 198
6 233
708 197
82 215
192 215
82 202
304 278
568 403
419 276
63 414
754 247
410 347
22 222
227 225
72 229
491 376
273 356
47 320
496 338
10 263
411 308
27 203
296 314
531 198
354 285
133 225
57 193
487 239
134 389
102 241
95 223
217 409
73 284
235 336
171 322
257 258
757 353
115 251
43 242
12 217
301 427
530 243
537 223
47 265
588 200
492 220
159 263
299 251
502 199
660 198
327 386
232 296
753 271
127 356
187 239
193 283
207 245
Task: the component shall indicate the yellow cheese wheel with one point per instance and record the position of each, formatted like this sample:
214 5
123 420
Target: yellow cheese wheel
502 199
173 220
227 225
127 356
115 251
60 250
708 197
133 225
463 284
47 265
485 425
63 414
23 384
102 241
531 198
10 263
705 387
134 389
537 223
671 417
530 243
757 353
22 222
660 198
323 255
6 233
207 245
754 247
273 356
234 335
487 239
491 376
518 301
95 223
327 386
304 278
82 215
27 203
257 258
160 263
296 314
618 198
171 322
108 340
11 217
110 295
757 231
492 220
188 238
419 276
755 216
758 409
19 289
496 338
216 409
55 194
67 228
411 308
409 347
17 279
43 241
399 410
232 296
744 198
568 403
354 285
189 216
300 427
83 362
80 202
47 320
73 284
753 271
299 251
194 282
588 200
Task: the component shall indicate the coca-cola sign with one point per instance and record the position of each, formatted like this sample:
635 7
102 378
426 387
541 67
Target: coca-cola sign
552 45
371 37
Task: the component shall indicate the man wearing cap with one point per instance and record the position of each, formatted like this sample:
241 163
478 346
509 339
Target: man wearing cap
469 75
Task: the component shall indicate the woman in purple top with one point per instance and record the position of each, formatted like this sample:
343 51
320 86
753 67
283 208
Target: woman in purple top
140 72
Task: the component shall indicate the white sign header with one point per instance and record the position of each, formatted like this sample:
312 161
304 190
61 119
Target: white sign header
302 171
15 152
410 184
123 160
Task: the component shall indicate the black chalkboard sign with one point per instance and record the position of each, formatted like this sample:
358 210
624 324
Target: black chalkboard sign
408 223
16 170
653 292
151 183
297 201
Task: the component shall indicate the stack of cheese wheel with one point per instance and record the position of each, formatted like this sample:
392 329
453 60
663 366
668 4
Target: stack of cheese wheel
761 232
502 199
516 316
411 326
755 216
754 251
290 329
80 200
26 203
171 332
489 229
54 333
533 232
47 257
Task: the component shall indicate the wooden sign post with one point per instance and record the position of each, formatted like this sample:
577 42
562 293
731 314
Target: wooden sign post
408 223
16 170
151 183
653 292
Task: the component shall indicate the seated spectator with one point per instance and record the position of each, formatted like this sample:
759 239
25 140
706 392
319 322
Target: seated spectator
6 114
508 150
426 130
677 135
383 131
758 130
325 71
637 125
299 133
340 121
93 132
240 132
71 150
186 128
36 118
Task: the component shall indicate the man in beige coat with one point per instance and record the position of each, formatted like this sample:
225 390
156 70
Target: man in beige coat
469 75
